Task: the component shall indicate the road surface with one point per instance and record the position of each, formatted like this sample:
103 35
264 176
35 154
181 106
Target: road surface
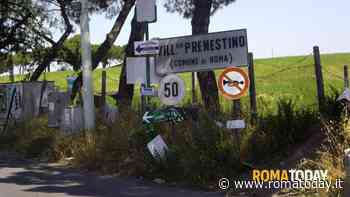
24 178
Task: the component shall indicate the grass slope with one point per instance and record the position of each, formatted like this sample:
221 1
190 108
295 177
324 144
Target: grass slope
283 77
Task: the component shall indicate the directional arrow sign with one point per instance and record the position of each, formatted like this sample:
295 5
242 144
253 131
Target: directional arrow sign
146 118
150 47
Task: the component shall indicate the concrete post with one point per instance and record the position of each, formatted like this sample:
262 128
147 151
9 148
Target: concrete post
88 100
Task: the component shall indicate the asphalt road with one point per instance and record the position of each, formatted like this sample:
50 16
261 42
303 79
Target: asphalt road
24 178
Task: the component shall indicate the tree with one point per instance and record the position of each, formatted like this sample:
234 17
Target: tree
107 43
24 23
200 12
56 46
70 11
126 91
71 53
21 23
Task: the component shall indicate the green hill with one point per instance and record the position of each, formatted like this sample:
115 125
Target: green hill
283 77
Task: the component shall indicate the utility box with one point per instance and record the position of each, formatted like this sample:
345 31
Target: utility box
21 101
57 102
109 114
72 120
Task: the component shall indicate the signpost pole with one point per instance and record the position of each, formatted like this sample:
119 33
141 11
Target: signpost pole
252 90
148 70
346 76
146 12
103 85
194 98
319 77
142 100
236 113
88 101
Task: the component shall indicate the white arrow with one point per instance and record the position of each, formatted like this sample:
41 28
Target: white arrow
146 117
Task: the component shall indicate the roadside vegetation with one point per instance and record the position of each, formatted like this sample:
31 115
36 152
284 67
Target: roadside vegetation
200 152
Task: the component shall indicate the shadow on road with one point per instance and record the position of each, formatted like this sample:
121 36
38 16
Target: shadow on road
32 177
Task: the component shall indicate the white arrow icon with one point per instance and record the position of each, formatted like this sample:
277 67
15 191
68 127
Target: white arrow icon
146 118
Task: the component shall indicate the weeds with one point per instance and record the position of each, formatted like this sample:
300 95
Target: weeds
33 139
277 133
199 151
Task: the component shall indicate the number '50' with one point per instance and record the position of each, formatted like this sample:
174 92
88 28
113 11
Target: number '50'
171 89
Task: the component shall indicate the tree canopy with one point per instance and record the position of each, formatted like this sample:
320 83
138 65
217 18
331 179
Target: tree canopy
71 52
186 7
21 26
200 11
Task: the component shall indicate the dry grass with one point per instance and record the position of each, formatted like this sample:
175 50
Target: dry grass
331 155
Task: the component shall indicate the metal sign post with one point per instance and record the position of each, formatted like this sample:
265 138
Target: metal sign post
146 13
148 70
236 113
88 100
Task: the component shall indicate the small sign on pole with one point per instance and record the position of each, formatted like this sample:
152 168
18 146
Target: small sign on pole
235 124
136 71
149 47
146 11
157 147
145 91
345 96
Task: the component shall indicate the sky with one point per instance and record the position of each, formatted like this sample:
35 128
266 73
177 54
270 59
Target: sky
275 27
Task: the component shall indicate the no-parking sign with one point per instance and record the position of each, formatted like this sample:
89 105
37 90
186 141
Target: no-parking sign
233 83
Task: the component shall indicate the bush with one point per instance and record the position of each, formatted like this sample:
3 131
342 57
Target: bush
107 148
277 133
332 109
199 155
32 139
330 156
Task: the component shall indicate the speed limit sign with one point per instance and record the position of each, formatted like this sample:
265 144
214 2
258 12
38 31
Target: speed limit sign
172 90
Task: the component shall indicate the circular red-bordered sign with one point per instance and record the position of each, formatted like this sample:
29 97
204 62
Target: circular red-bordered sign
233 83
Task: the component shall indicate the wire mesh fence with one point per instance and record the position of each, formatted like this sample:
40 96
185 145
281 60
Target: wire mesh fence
276 78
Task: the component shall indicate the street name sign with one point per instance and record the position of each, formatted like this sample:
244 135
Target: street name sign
202 52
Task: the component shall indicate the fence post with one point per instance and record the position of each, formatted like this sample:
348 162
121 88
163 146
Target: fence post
346 186
346 76
319 77
252 90
103 85
193 78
